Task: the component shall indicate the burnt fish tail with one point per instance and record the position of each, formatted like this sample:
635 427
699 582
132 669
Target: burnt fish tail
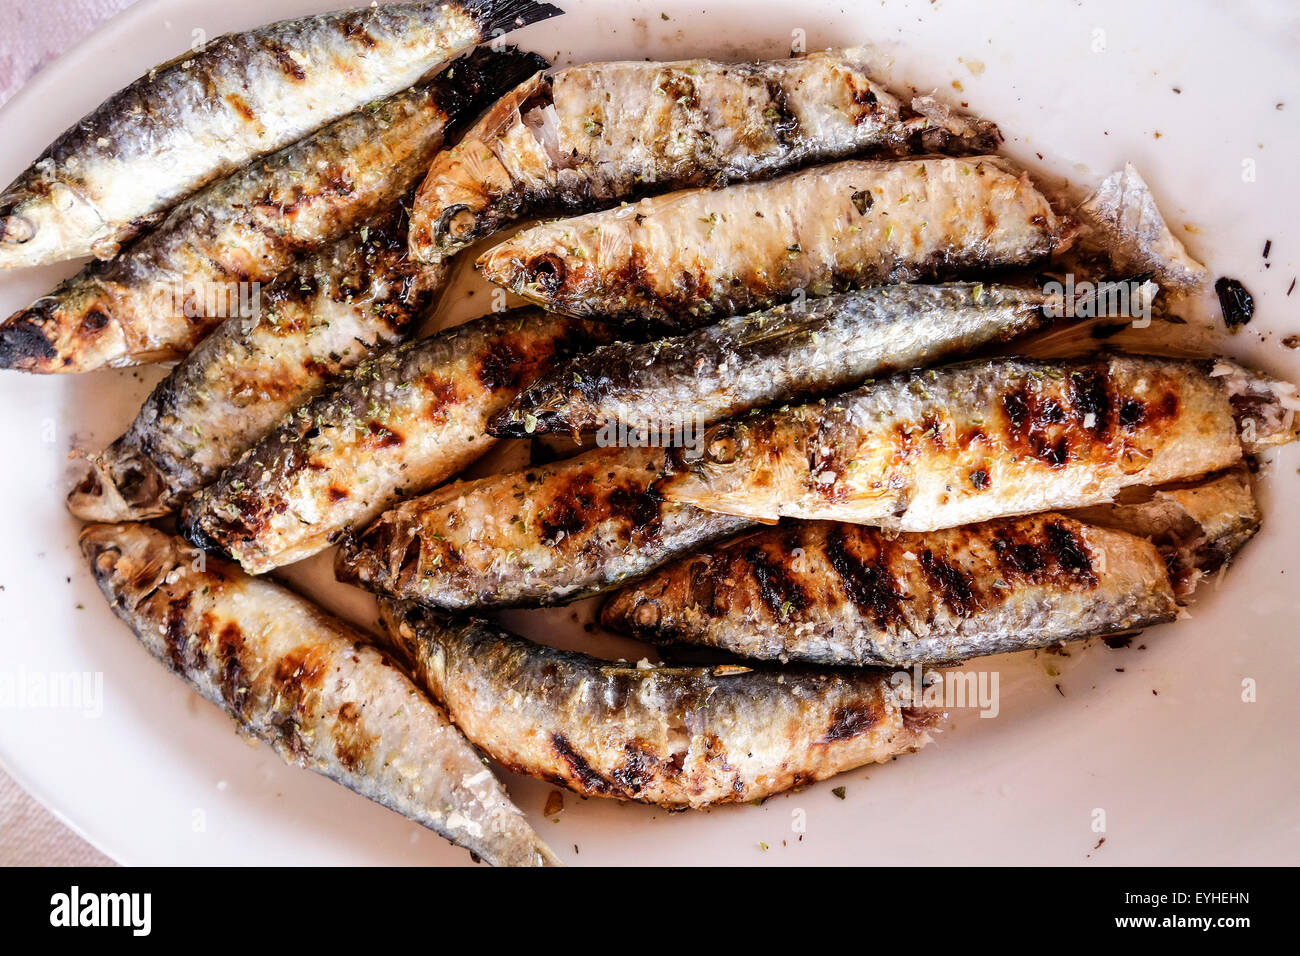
588 136
671 736
216 249
783 354
833 593
323 316
308 685
688 258
393 427
213 110
545 535
938 448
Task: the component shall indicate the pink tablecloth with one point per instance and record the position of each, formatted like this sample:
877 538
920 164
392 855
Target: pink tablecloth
35 32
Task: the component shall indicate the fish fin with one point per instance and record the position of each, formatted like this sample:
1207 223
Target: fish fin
507 15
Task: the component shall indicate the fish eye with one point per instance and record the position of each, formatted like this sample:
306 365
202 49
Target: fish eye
456 224
722 450
546 271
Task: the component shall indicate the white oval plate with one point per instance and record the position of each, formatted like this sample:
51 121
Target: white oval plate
1151 747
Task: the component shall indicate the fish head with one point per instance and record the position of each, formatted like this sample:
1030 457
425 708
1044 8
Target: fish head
45 221
557 265
471 191
132 561
737 461
127 487
72 330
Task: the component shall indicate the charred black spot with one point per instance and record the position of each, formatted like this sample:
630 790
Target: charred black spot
871 587
337 494
979 478
22 344
582 772
1067 549
381 436
353 27
782 594
1020 559
949 582
785 125
636 772
569 510
287 64
1237 304
1016 406
176 634
230 644
500 367
638 506
1090 396
849 721
1132 413
862 201
1055 453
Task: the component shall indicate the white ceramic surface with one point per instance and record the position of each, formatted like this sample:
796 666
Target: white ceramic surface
1203 100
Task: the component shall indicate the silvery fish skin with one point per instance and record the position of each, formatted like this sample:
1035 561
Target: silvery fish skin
688 258
206 113
935 449
309 685
776 355
1197 526
325 315
396 426
161 296
545 535
589 135
833 593
676 737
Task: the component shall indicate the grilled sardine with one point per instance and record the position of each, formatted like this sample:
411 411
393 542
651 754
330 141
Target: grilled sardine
323 316
544 535
780 354
206 113
168 290
395 426
671 736
834 593
589 135
688 258
308 685
935 449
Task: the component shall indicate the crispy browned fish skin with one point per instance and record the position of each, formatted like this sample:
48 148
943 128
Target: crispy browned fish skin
322 317
156 301
688 258
394 427
206 113
986 439
671 736
307 684
780 354
833 593
585 136
541 536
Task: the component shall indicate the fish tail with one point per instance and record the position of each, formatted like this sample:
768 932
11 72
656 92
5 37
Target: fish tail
498 17
470 84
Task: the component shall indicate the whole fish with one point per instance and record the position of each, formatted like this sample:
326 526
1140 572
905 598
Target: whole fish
396 426
208 112
1198 526
326 314
689 258
589 135
780 354
168 290
965 443
309 685
834 593
671 736
544 535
